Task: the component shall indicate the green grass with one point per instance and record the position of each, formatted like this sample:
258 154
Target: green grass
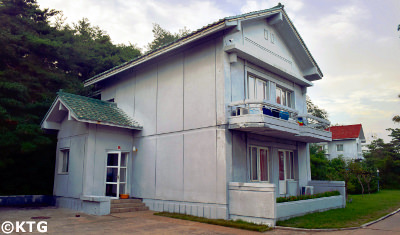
227 223
361 210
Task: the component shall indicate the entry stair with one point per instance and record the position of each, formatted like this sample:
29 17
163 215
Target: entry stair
127 205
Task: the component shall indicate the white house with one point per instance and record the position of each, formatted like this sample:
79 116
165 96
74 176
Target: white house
346 142
214 124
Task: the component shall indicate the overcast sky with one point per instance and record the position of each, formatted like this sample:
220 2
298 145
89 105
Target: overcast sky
355 43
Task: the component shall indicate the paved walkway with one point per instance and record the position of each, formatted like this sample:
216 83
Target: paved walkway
63 221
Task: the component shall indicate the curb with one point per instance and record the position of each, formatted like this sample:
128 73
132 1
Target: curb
338 229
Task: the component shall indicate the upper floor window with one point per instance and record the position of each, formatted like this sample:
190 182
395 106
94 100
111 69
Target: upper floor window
284 97
257 89
339 147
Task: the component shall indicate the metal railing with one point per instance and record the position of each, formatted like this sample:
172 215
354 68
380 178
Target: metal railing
314 122
248 107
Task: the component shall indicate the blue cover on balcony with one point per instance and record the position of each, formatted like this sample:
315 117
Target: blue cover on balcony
275 113
267 111
284 115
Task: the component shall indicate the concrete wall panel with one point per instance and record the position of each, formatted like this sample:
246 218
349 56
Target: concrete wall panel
239 160
144 165
125 95
199 87
170 95
169 168
146 99
200 173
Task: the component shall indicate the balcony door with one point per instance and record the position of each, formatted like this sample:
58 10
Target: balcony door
117 171
286 169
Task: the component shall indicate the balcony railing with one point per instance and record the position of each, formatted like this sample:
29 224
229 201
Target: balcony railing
266 118
245 107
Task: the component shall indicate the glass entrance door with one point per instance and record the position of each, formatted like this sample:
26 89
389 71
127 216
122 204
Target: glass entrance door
116 178
286 169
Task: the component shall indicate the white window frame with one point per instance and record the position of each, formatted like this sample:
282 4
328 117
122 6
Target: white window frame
258 164
257 79
285 164
284 93
337 148
63 161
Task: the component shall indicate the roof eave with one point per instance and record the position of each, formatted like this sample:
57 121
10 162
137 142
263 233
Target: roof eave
200 34
109 124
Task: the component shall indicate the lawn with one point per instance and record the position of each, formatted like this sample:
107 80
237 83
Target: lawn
361 210
227 223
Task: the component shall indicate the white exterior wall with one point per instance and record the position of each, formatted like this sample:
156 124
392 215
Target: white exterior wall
350 150
276 54
72 136
181 157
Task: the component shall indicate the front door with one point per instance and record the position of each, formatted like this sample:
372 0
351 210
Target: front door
116 178
286 169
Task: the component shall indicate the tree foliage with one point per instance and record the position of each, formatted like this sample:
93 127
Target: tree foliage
36 60
315 110
396 118
357 175
386 158
163 37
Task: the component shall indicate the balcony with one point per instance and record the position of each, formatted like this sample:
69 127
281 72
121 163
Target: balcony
269 119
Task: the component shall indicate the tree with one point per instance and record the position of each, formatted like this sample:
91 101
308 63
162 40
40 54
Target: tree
386 158
163 37
396 118
315 110
36 60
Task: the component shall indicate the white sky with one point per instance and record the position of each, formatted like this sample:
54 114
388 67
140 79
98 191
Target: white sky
355 43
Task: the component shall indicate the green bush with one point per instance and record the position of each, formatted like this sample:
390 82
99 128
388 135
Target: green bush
306 197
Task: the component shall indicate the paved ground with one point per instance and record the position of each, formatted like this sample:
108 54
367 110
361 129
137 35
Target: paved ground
63 221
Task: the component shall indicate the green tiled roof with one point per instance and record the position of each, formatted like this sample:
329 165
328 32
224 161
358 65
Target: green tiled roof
98 111
230 18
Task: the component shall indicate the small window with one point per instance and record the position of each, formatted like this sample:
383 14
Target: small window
272 38
63 161
266 33
284 97
111 100
339 147
258 164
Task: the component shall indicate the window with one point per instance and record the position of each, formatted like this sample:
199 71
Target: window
286 165
258 164
339 147
272 38
63 163
284 97
257 89
266 33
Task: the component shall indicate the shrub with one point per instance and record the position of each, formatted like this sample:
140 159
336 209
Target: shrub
306 197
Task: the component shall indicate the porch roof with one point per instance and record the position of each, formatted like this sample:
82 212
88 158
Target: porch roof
88 110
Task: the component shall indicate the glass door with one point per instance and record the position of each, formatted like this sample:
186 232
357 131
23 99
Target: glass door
116 170
282 181
286 169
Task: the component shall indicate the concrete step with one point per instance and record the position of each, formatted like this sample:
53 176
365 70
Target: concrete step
124 205
132 200
129 209
127 205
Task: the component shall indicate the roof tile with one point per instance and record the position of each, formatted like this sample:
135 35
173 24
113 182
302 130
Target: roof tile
90 109
345 132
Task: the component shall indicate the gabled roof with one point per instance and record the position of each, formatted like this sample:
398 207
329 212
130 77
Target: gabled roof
347 132
84 109
227 22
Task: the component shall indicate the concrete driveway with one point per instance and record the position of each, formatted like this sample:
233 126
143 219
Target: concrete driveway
64 221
